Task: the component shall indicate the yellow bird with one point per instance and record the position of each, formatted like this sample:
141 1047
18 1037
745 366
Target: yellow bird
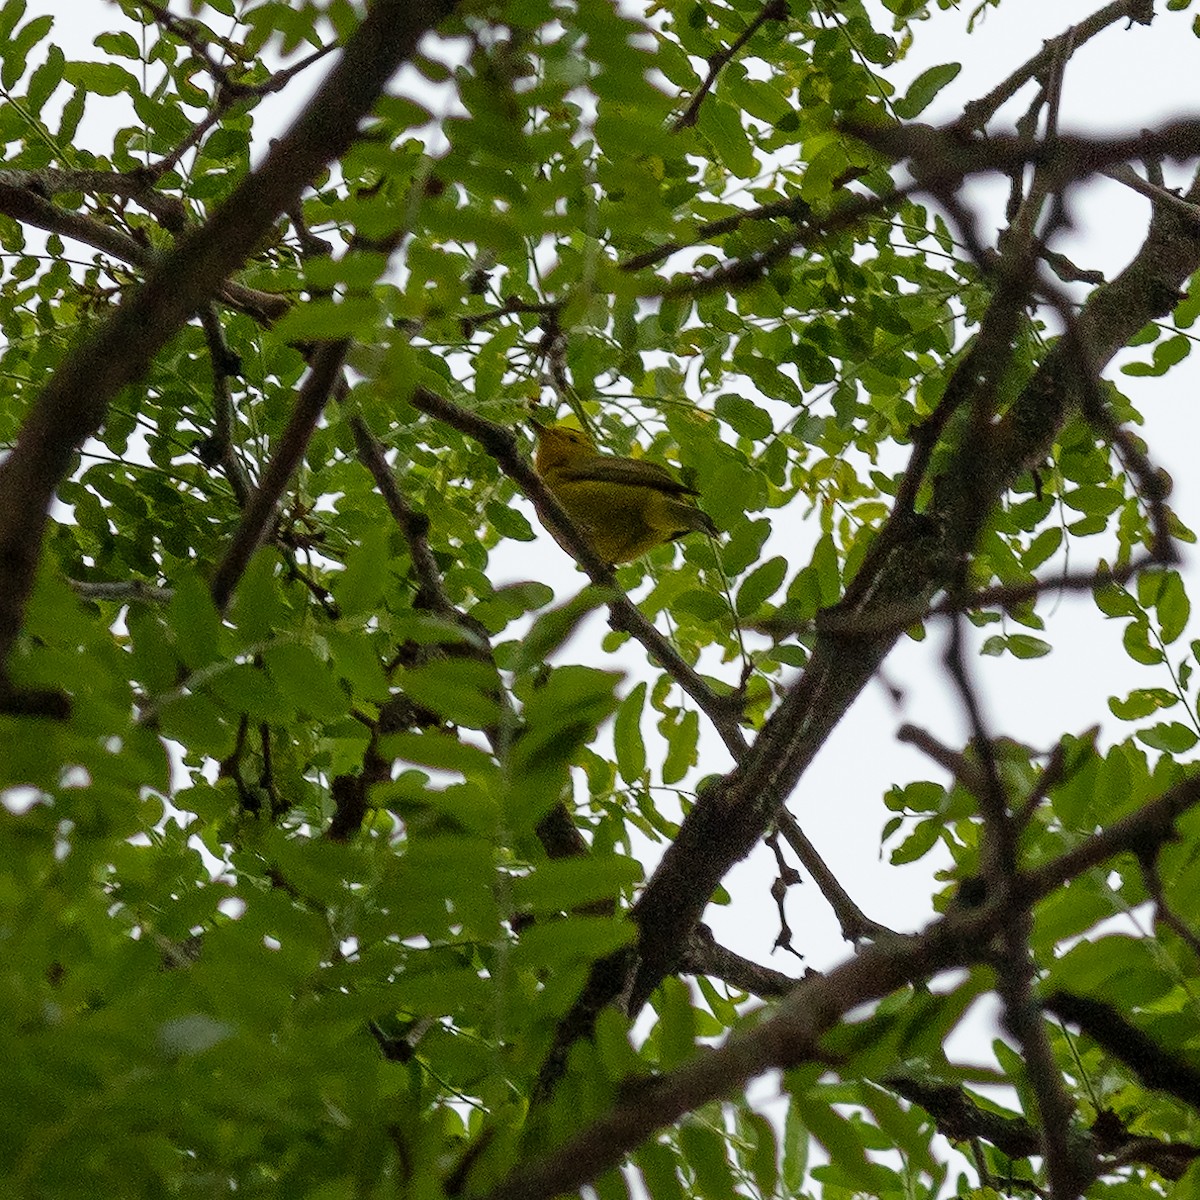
623 506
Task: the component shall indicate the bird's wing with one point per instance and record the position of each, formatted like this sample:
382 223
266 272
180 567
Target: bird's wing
637 472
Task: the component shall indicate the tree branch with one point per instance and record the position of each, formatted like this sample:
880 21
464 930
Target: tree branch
815 1004
772 10
703 955
323 379
855 924
978 113
1158 1069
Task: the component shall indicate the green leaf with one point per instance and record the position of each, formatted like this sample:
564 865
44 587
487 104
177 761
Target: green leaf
440 750
1115 967
437 993
722 125
676 1033
1174 608
120 44
510 523
327 320
15 49
924 88
1141 702
1172 737
627 736
566 942
1114 601
705 1154
553 628
457 690
682 737
44 81
659 1172
360 587
841 1140
194 622
743 416
567 883
795 1151
1019 645
306 682
508 603
103 79
1136 640
763 582
764 1154
1022 645
1166 354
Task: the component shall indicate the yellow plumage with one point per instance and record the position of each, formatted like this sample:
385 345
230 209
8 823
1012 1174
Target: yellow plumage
623 506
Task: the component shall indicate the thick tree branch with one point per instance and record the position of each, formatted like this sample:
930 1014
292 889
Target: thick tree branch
21 197
790 1037
978 113
169 211
703 955
959 1118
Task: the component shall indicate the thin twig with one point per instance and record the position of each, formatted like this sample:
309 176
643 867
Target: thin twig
224 364
965 773
773 10
855 924
123 592
1162 909
1123 173
319 385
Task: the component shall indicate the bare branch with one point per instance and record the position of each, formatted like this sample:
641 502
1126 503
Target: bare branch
855 924
123 592
964 771
1162 909
1155 193
169 211
705 956
224 364
979 112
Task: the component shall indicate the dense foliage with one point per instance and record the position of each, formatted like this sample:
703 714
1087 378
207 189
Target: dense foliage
320 850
